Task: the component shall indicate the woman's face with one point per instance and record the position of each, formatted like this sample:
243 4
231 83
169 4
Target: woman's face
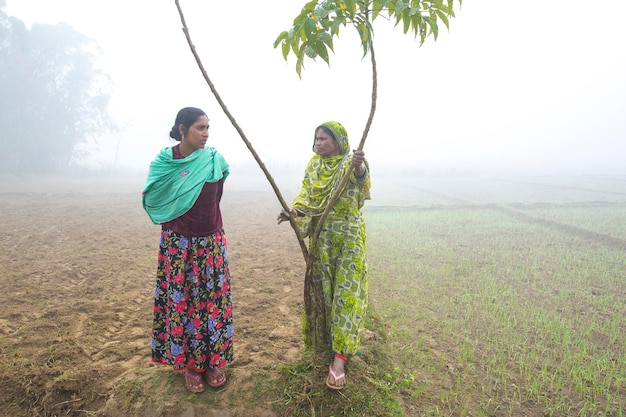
325 144
197 135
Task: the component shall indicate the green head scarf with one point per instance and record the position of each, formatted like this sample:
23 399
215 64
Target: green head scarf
339 133
321 177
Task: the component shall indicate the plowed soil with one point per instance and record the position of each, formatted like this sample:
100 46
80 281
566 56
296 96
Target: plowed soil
78 270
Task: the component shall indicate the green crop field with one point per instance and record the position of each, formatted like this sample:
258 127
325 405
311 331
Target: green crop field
500 296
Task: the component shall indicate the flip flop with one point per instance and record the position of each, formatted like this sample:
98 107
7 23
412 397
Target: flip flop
198 387
335 378
214 377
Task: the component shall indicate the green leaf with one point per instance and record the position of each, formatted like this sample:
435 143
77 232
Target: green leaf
299 63
285 48
295 43
350 6
320 49
400 7
310 28
309 8
443 17
309 51
334 28
376 8
398 20
301 34
445 8
364 33
433 26
299 20
282 37
325 22
327 39
321 12
406 19
416 23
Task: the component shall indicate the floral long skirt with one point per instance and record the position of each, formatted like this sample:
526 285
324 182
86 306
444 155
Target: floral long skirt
193 322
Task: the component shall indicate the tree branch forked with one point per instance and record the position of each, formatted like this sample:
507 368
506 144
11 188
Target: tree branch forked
315 319
309 280
239 130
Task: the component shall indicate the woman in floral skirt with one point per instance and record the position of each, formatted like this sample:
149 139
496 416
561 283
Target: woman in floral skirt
193 322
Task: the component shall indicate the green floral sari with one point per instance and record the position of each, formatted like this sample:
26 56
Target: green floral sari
340 262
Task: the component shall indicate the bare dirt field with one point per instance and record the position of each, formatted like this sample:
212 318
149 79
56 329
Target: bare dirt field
78 270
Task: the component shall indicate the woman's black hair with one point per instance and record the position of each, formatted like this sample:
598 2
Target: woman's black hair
186 117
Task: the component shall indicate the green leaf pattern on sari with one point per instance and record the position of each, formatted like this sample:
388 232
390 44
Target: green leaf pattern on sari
340 261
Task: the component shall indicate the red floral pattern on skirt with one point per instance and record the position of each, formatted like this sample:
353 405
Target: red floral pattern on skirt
193 322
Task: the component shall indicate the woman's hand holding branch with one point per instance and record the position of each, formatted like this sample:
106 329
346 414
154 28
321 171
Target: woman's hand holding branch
357 161
285 215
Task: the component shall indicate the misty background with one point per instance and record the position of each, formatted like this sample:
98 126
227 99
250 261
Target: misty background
513 88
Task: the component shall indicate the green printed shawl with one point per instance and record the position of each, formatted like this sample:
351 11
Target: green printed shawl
322 176
173 185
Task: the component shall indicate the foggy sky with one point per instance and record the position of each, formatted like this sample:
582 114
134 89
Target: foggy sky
527 87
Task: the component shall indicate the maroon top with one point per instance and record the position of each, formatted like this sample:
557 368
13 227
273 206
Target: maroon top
204 218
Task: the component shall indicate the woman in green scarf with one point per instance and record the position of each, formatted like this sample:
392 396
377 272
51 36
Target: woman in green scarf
340 253
193 324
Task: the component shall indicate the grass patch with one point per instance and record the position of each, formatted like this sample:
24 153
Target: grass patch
373 387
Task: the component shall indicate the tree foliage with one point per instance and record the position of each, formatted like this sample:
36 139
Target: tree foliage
319 23
52 99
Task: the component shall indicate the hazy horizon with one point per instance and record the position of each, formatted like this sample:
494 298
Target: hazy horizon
520 89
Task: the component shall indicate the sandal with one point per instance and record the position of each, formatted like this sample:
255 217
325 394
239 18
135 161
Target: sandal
333 385
215 377
193 381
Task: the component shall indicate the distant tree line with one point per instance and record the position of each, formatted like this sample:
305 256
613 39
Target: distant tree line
52 98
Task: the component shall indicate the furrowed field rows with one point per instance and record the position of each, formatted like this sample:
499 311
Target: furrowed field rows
607 226
501 304
567 207
425 191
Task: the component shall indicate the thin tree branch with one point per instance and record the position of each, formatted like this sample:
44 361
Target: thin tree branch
346 177
315 321
240 131
309 281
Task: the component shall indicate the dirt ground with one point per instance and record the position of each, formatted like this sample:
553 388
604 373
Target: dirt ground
78 270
